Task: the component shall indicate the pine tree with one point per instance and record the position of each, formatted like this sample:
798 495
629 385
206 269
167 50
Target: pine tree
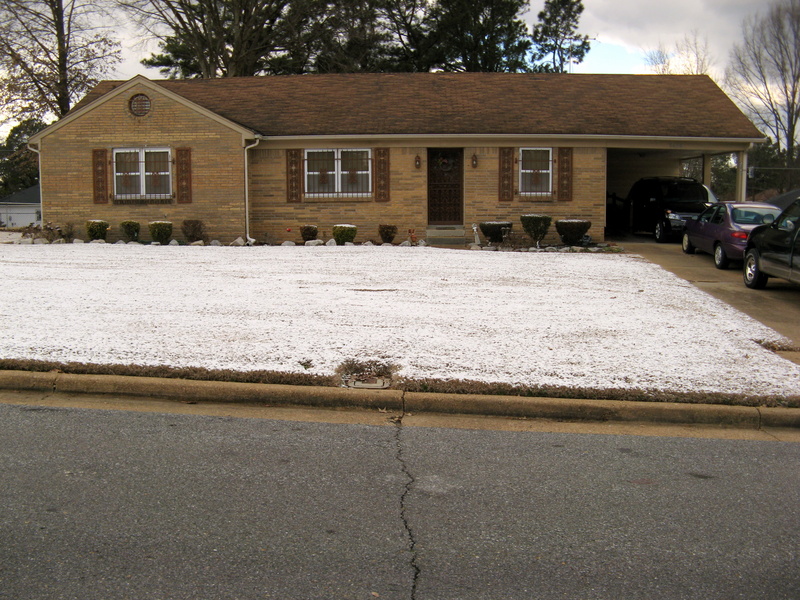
556 39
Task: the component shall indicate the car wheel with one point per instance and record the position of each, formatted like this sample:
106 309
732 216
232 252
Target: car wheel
753 277
661 233
686 245
721 260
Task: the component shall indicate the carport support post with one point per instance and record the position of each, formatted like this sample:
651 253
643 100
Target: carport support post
707 169
741 176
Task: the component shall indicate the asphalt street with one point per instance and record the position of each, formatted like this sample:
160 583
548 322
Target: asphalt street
114 504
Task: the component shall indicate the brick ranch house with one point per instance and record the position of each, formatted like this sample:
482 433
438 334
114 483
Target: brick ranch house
432 152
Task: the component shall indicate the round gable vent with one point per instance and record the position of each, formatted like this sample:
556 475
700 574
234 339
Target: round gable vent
139 105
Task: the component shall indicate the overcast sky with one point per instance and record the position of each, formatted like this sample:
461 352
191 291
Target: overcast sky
625 29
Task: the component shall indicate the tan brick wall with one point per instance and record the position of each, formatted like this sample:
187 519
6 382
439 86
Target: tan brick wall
272 215
217 167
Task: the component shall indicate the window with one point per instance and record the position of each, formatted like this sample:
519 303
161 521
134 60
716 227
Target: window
338 172
142 173
536 171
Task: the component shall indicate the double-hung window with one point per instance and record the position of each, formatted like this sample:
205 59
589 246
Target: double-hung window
536 171
342 172
142 173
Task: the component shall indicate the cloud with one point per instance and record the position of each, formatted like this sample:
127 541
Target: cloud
639 25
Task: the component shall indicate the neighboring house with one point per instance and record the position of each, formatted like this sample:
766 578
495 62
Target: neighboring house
429 152
21 208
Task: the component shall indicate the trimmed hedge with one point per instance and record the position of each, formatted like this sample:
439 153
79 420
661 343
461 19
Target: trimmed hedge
572 230
493 230
536 226
160 231
97 229
387 233
130 230
308 232
344 233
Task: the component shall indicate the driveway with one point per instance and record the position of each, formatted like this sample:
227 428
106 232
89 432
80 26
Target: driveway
778 306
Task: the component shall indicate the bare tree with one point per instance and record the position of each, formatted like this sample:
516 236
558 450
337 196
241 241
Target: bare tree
659 60
51 52
693 55
764 73
690 56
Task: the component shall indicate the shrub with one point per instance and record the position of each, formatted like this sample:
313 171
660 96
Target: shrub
308 232
494 231
536 226
160 231
67 232
572 230
130 230
96 229
344 233
387 233
193 230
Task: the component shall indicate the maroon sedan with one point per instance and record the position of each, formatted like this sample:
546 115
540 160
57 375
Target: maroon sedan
722 229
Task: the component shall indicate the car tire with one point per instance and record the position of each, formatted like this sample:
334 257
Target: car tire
661 233
754 278
721 260
686 245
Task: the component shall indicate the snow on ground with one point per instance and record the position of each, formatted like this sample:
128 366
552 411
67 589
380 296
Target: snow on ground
583 320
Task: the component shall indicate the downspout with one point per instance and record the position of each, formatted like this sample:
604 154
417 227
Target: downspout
247 188
33 148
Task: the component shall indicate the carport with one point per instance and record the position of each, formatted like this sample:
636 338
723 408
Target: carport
626 165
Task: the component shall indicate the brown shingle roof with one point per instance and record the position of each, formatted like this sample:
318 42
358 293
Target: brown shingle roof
469 103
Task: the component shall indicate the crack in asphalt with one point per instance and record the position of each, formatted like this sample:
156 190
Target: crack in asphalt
412 542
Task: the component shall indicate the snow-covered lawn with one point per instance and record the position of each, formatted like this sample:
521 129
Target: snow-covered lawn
582 320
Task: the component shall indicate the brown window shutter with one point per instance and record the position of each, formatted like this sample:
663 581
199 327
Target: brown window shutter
381 174
294 175
564 175
506 174
100 176
183 175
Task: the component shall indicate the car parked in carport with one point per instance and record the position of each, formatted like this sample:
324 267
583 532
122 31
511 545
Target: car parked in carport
774 250
722 229
661 205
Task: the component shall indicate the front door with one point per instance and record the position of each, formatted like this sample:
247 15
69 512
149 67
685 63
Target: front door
445 186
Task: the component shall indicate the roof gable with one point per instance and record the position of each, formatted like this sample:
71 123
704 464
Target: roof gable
106 90
682 106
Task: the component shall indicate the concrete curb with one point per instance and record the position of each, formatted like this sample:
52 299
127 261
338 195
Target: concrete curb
745 417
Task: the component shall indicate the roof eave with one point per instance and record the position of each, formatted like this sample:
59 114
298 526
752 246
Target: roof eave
611 140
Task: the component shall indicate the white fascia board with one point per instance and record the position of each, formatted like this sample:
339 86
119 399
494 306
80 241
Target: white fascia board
617 141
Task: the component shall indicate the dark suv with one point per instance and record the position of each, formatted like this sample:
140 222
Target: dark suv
661 205
774 250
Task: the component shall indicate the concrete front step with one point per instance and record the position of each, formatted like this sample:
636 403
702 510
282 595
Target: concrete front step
452 236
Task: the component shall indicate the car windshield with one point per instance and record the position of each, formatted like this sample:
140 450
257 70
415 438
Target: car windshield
684 192
753 216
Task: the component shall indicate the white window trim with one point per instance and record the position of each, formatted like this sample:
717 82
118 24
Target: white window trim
549 172
142 173
337 161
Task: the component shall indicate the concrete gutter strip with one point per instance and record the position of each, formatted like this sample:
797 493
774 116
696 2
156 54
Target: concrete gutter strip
28 380
585 410
217 391
399 401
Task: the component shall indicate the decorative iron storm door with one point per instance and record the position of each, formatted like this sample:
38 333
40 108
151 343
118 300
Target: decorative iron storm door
445 186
